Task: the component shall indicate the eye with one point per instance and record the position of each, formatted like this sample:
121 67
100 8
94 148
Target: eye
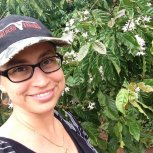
19 69
48 61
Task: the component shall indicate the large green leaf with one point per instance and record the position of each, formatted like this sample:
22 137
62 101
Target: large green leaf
122 100
114 59
108 105
134 128
99 47
128 40
83 52
92 131
118 131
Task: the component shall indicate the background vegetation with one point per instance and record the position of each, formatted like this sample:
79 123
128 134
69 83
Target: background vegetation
108 68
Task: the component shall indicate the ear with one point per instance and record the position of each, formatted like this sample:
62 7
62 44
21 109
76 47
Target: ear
1 86
2 89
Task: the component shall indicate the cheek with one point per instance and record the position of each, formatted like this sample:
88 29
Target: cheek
13 90
60 79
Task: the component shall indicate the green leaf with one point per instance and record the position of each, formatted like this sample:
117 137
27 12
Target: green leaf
120 14
101 99
128 40
109 106
99 47
92 131
145 88
145 106
37 7
134 128
135 104
122 100
118 131
151 50
110 113
116 62
92 30
83 52
148 82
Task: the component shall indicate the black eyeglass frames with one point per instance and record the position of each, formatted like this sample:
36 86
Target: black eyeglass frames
24 72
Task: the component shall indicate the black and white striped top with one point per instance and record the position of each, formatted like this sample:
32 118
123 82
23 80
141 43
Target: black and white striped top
77 134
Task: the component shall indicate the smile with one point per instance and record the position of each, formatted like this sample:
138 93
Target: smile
44 96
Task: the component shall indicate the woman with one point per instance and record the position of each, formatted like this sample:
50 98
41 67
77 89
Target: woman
31 75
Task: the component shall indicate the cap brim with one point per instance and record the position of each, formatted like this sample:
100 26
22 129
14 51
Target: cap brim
18 46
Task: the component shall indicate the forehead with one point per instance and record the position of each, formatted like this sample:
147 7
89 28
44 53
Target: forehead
32 53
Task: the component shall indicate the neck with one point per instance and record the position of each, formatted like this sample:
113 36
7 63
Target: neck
43 122
52 133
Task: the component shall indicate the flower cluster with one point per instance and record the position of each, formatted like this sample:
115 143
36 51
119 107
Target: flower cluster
90 78
131 24
141 43
136 93
142 20
84 16
101 72
70 57
67 89
91 105
10 105
71 24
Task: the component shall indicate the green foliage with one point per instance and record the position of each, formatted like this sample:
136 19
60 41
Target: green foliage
108 69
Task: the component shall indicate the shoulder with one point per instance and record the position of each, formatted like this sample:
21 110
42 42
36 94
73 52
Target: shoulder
72 123
77 132
5 146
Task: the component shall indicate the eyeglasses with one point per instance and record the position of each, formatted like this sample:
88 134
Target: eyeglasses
24 72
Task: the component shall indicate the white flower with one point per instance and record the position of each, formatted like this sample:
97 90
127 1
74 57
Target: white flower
71 22
148 4
63 93
67 29
136 95
76 31
140 40
140 53
68 36
130 25
90 78
85 18
91 106
101 72
101 69
67 24
137 21
70 56
147 18
137 89
67 89
10 105
85 34
86 12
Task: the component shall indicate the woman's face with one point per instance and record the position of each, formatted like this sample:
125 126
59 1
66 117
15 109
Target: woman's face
40 93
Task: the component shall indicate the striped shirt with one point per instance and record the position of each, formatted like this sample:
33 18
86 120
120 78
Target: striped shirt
75 131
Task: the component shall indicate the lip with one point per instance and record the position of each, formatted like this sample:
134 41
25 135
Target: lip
43 96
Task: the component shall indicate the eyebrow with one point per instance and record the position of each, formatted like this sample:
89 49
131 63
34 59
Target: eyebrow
14 62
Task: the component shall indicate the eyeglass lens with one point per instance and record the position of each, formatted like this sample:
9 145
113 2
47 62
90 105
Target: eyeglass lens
25 72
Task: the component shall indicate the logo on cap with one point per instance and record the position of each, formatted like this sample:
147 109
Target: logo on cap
20 25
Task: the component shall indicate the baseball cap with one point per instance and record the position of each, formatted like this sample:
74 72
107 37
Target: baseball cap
18 32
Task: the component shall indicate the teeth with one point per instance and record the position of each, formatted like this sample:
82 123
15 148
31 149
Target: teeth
43 95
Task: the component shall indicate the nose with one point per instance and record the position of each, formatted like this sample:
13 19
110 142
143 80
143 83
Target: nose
39 78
